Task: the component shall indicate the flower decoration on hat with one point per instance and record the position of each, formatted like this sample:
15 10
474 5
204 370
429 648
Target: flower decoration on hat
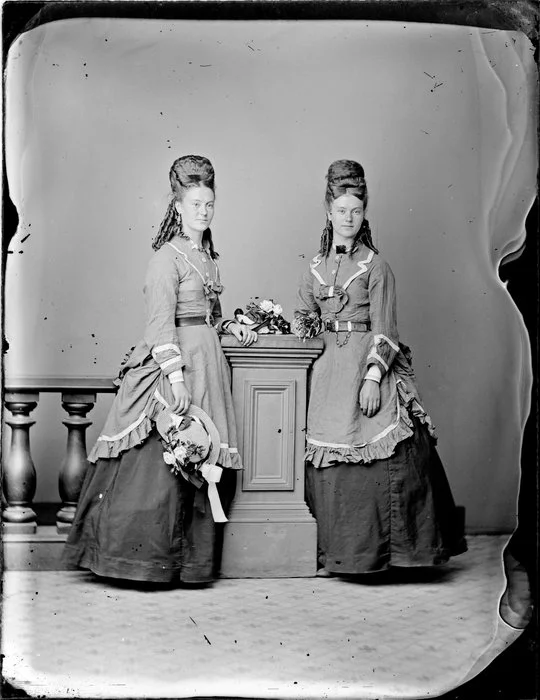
186 444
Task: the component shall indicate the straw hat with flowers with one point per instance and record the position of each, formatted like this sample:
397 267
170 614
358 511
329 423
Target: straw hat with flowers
191 447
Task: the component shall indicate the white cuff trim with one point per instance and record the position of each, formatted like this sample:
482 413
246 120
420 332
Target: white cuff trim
170 362
377 339
163 348
374 373
375 355
176 376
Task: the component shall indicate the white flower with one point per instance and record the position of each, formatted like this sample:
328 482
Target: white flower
266 306
278 309
180 453
168 458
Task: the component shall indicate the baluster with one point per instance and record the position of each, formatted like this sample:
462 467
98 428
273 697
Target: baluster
19 478
74 466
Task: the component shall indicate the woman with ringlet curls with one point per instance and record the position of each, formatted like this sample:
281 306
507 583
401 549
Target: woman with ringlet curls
374 480
136 519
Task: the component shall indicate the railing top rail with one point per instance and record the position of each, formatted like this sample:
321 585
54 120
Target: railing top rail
278 344
102 385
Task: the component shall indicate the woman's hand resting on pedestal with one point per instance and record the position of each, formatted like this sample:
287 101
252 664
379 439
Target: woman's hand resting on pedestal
242 333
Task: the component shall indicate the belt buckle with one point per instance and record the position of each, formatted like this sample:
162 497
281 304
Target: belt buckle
331 324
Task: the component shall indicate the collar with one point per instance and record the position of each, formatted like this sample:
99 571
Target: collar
187 243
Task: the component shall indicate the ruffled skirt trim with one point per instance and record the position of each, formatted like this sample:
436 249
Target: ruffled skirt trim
321 455
229 459
137 433
110 449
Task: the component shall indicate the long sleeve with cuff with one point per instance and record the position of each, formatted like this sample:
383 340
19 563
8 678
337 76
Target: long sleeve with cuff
220 324
382 313
160 293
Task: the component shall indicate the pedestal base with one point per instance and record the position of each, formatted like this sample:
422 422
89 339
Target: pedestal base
269 550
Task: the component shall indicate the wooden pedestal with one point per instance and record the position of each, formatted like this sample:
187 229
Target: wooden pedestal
271 532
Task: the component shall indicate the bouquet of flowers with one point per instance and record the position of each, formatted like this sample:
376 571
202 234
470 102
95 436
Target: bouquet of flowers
263 317
307 325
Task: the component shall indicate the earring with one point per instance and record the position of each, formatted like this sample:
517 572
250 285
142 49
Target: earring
177 215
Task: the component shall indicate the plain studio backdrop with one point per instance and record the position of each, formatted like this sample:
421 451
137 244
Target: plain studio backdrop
441 117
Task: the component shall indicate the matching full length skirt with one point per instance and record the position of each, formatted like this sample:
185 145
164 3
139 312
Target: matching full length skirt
136 520
397 511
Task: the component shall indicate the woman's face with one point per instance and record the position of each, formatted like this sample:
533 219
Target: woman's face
346 215
197 209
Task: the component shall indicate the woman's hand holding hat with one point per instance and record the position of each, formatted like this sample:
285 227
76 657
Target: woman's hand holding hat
182 398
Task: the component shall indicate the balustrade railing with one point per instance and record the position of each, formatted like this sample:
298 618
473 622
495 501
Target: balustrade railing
21 396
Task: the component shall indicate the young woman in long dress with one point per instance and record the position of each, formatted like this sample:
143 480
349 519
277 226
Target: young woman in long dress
135 519
374 480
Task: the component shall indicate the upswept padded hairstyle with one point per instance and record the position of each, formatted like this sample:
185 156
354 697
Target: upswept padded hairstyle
346 177
185 172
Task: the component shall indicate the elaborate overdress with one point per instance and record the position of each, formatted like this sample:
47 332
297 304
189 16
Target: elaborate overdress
135 519
375 484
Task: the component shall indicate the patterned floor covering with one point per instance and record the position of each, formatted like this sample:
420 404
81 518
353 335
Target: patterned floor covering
66 634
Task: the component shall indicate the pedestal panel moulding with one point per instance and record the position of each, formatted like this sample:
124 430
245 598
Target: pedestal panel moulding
269 438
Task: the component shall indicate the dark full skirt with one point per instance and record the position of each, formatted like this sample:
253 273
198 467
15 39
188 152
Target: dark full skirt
136 520
397 511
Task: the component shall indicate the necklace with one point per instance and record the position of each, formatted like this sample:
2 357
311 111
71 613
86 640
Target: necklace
194 246
199 248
